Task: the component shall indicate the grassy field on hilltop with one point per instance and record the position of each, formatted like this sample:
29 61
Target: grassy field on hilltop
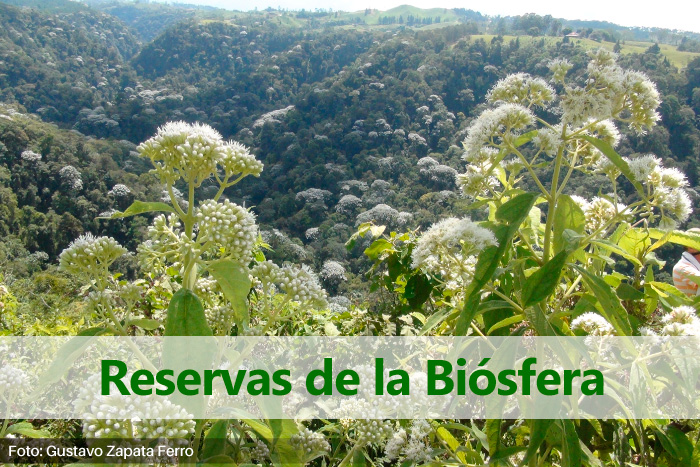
373 16
677 58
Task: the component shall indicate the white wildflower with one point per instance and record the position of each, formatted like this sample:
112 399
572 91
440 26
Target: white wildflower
559 68
71 178
600 211
237 161
641 167
476 181
493 123
592 324
12 380
302 285
89 254
30 156
229 227
522 89
333 272
183 150
119 191
308 441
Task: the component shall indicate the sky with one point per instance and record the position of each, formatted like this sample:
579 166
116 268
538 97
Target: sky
671 14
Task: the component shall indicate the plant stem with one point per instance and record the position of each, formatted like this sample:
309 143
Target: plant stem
197 438
552 205
348 457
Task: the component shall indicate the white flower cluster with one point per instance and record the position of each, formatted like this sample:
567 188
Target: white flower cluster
272 117
148 416
119 191
332 272
302 285
559 68
339 304
229 227
90 254
12 380
260 452
522 89
593 324
30 156
372 431
314 233
194 152
182 150
549 139
437 173
600 211
308 441
237 160
611 92
666 188
413 448
354 186
220 317
71 178
164 239
205 286
299 283
314 197
381 214
492 124
415 138
449 249
348 204
605 130
681 321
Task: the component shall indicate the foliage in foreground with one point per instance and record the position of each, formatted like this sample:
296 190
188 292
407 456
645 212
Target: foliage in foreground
543 263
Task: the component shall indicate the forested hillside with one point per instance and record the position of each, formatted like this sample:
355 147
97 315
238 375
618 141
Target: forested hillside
175 170
353 124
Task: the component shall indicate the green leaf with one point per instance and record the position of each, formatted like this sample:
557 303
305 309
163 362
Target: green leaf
219 460
507 452
434 320
216 440
235 283
358 458
511 214
493 434
505 322
615 158
66 356
97 331
186 316
140 207
542 283
676 443
567 215
145 323
28 430
608 303
538 433
277 433
516 209
678 237
418 289
627 292
377 247
571 448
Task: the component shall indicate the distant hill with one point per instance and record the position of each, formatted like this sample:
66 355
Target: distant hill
57 64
